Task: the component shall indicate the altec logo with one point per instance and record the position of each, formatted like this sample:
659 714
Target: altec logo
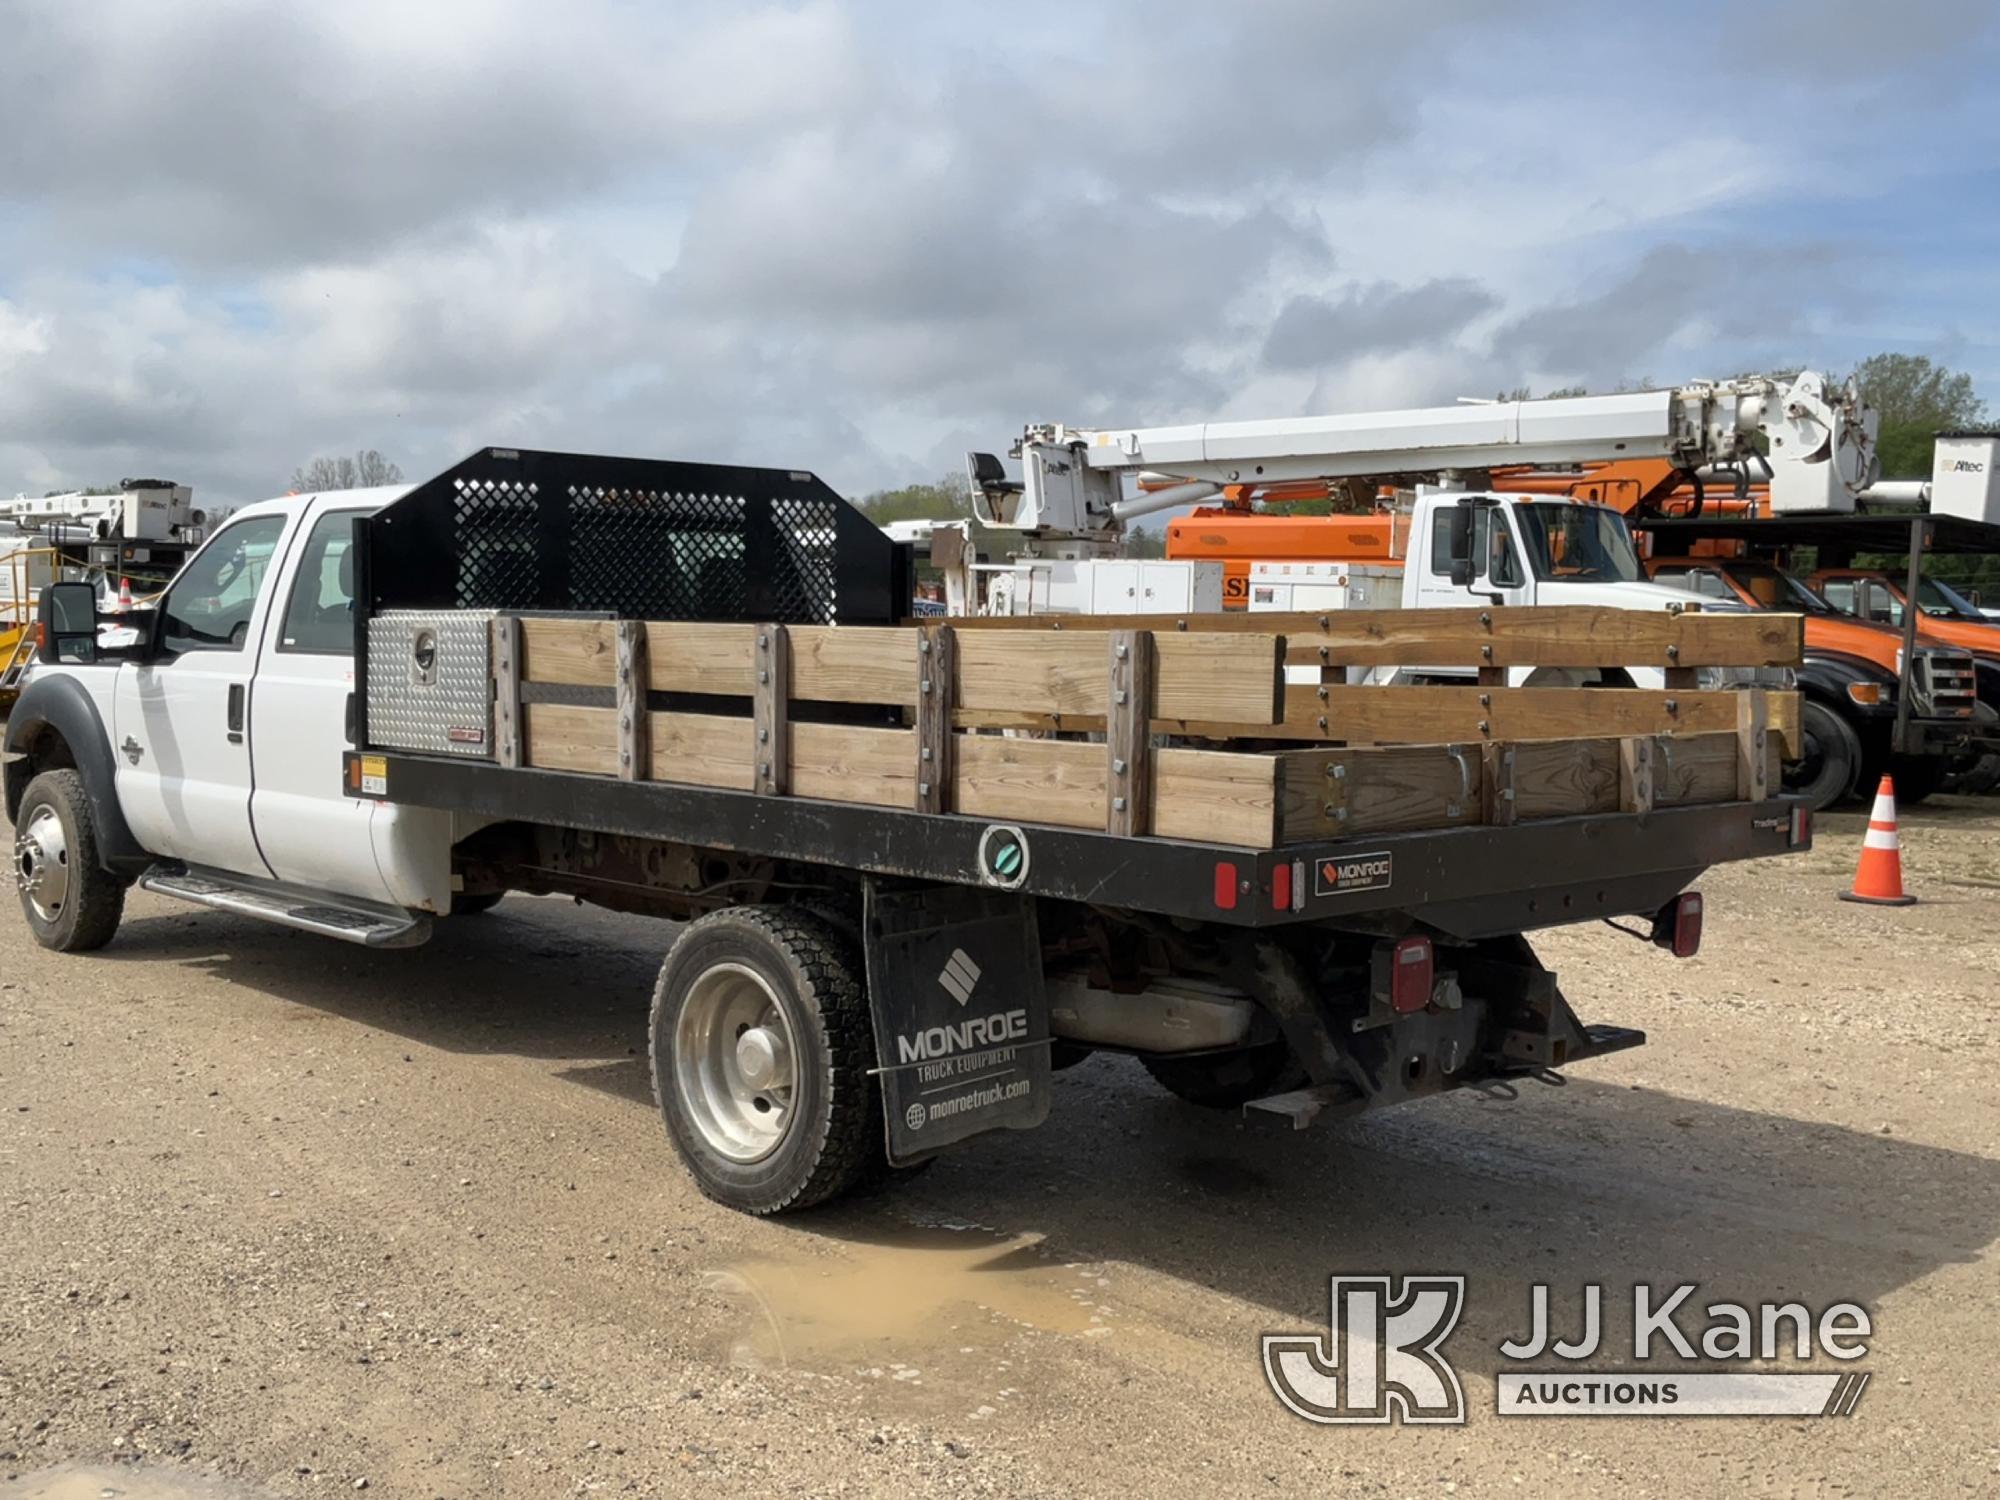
1964 466
1382 1359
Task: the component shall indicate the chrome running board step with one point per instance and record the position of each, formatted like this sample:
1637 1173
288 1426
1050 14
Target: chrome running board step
341 917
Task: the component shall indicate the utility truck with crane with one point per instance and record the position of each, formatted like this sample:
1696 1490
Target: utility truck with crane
135 536
1462 536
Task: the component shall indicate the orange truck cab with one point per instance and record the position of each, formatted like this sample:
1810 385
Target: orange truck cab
1849 681
1943 612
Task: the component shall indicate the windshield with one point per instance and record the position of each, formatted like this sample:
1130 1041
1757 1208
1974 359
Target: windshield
1936 598
1774 588
1571 543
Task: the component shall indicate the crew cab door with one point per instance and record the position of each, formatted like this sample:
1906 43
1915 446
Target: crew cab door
180 723
1500 575
302 718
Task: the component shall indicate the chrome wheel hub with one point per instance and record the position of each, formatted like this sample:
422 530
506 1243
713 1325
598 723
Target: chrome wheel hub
733 1070
41 863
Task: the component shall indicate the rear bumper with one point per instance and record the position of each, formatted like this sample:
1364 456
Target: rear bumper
1935 736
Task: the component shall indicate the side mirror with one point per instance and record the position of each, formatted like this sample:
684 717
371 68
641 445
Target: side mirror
1458 541
66 621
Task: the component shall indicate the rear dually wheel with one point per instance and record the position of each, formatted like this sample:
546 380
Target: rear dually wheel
761 1057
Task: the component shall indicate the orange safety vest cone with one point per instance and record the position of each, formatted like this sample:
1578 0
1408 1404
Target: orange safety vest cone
1879 878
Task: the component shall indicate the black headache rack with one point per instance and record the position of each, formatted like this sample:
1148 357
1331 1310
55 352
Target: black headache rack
519 529
1469 882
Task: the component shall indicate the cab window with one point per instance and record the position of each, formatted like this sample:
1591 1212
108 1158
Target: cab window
1493 555
210 604
1697 580
319 616
1441 543
1503 569
1839 592
1880 603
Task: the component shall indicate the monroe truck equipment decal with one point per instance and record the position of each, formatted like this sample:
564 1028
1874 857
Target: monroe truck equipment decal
961 1017
1343 874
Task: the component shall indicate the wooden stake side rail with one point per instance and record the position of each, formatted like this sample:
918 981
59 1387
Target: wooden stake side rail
1227 677
1535 636
1340 711
1481 754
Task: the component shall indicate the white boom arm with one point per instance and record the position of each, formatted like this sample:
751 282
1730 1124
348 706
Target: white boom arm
1819 447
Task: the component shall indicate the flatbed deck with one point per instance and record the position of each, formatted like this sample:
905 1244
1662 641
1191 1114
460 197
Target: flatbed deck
1471 881
718 659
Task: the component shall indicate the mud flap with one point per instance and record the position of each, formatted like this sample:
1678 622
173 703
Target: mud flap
960 1014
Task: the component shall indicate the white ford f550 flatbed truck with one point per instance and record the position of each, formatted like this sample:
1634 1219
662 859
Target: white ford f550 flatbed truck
921 866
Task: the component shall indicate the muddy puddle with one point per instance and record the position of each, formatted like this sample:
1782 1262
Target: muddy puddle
940 1306
123 1482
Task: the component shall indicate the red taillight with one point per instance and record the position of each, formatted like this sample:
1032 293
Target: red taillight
1410 967
1225 885
1678 926
1801 827
1281 886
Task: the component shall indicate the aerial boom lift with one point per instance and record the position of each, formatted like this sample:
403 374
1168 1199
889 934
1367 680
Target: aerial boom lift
1815 447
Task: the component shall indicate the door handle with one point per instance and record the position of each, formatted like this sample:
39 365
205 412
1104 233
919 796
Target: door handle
347 720
236 713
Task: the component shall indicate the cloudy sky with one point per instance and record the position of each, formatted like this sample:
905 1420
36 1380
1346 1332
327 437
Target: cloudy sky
862 235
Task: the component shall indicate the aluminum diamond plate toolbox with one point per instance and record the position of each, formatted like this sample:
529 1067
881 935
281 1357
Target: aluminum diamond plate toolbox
429 688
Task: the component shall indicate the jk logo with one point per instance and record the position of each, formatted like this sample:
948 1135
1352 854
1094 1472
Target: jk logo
1379 1360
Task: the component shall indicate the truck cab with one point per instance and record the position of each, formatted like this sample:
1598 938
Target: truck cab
1476 549
1529 550
1942 612
207 731
1851 679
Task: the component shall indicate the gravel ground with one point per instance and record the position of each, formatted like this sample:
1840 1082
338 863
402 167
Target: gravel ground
282 1217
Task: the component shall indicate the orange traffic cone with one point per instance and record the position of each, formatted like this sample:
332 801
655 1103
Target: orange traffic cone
1879 880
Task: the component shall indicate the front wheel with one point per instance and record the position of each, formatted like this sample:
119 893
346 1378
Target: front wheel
72 903
761 1051
1829 761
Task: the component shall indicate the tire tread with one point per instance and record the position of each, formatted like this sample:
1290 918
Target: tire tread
97 897
850 1148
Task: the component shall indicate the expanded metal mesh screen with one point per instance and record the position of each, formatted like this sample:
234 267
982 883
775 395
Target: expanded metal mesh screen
495 526
514 530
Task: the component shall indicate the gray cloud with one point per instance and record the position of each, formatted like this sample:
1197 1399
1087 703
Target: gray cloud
1314 331
820 233
230 134
1760 296
1862 45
